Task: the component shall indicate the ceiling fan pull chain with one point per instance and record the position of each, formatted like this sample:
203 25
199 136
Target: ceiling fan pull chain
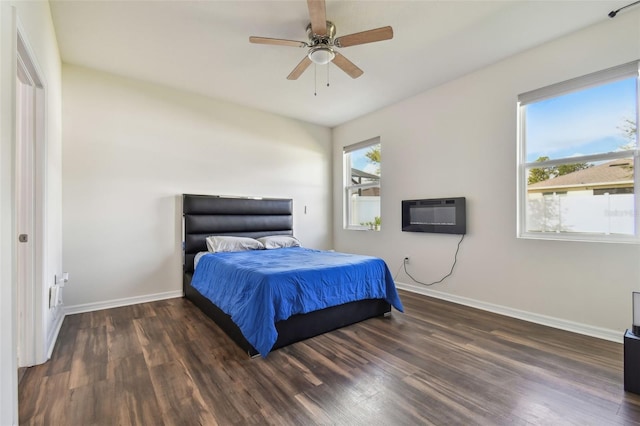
328 74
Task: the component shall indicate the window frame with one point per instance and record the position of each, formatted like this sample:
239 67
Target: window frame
347 186
610 75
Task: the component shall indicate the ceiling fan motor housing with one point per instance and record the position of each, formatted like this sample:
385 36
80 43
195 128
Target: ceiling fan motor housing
321 46
325 39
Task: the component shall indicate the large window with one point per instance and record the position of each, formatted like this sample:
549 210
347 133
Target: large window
362 185
578 152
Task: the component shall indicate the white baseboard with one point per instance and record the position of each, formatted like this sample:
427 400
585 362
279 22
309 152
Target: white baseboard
588 330
54 330
598 332
116 303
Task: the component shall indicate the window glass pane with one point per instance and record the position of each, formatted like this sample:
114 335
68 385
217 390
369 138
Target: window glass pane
592 198
363 187
364 207
365 164
596 120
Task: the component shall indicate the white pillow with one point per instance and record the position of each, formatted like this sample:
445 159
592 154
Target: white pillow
196 259
221 243
279 241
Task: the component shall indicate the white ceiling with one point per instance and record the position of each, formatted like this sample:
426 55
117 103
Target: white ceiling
203 46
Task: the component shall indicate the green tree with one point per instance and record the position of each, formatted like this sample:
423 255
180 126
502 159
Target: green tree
543 173
565 169
629 128
629 131
539 174
374 157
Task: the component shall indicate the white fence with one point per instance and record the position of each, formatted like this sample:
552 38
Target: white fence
601 214
364 209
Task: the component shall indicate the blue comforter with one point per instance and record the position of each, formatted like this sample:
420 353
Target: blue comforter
260 287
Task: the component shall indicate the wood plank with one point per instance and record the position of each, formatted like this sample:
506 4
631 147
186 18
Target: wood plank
135 400
156 344
90 355
122 340
166 363
178 397
45 400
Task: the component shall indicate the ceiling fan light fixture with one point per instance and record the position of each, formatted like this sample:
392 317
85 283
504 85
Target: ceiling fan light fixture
321 55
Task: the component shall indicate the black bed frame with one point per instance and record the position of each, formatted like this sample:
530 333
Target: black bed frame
205 215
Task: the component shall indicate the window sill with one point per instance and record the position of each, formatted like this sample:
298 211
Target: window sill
360 228
588 238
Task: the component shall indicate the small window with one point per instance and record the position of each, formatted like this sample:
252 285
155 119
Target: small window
362 163
610 191
578 147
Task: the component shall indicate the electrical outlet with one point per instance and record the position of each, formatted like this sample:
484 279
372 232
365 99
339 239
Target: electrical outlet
406 260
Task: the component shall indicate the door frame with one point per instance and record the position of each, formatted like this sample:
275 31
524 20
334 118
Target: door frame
8 332
10 28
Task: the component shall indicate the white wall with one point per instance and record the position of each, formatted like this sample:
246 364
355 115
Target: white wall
34 20
130 150
459 139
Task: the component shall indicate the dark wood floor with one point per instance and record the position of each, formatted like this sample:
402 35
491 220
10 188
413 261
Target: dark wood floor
440 363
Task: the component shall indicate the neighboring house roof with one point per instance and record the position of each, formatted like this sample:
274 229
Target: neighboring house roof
615 172
355 173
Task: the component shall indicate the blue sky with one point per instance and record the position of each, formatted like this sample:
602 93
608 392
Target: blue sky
360 162
581 123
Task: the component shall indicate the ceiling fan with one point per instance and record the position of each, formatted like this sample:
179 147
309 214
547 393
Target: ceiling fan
322 42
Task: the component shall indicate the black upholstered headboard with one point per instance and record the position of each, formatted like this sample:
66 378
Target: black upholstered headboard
205 215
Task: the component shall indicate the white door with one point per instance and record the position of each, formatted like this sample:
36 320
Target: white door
25 130
29 125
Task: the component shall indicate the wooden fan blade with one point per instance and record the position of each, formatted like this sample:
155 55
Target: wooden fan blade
299 69
277 41
318 16
378 34
347 66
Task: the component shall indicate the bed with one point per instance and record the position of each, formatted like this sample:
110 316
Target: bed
205 216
